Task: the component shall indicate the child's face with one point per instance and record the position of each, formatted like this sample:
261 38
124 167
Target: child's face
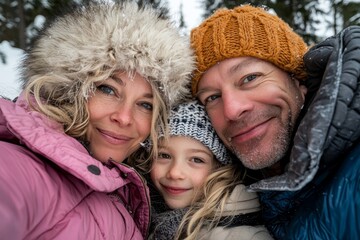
181 169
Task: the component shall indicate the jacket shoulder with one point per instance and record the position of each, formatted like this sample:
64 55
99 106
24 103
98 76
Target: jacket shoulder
22 181
30 187
333 212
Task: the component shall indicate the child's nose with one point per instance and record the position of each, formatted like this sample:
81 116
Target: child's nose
176 171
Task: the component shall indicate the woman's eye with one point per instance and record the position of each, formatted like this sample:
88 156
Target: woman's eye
106 89
148 106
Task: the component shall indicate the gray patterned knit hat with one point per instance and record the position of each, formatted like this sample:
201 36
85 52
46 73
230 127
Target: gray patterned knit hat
190 119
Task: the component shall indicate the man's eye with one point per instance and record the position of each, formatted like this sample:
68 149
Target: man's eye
210 99
250 78
106 89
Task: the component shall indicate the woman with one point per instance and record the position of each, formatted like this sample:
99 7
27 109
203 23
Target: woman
96 85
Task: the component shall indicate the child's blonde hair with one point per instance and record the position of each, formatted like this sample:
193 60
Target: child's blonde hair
207 211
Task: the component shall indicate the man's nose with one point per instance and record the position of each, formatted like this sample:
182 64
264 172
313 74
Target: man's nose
235 103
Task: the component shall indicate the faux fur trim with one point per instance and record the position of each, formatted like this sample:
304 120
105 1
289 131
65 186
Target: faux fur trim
108 36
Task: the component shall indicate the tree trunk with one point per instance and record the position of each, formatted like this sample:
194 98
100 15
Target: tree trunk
22 34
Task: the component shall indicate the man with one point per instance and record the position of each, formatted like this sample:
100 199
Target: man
293 116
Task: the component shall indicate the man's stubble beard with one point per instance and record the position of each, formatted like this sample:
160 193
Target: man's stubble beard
256 158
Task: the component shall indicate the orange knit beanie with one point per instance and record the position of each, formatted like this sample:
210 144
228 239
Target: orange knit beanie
247 31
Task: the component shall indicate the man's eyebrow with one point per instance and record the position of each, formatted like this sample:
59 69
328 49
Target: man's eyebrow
237 67
201 91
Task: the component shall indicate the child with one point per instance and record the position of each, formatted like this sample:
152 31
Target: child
200 191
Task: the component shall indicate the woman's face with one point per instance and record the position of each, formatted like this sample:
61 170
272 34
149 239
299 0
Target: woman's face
120 116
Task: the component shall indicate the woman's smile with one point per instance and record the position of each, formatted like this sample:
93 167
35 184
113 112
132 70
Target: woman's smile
114 138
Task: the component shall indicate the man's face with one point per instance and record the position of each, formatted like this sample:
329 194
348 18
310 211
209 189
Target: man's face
253 106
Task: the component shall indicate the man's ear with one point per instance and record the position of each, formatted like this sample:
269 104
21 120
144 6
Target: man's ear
301 85
303 90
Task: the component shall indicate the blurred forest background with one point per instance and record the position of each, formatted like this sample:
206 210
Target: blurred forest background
21 20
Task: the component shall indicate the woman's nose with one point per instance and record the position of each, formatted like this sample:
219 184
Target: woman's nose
123 114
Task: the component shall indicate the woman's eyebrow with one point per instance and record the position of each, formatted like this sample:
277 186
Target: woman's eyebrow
118 80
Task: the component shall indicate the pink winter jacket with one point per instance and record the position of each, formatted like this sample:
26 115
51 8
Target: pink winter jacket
51 188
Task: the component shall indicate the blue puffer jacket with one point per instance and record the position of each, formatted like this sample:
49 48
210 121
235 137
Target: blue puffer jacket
318 197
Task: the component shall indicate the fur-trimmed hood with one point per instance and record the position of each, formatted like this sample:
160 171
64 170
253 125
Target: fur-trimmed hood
105 37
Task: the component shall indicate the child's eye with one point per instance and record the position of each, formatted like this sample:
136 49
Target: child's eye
164 155
197 160
106 89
